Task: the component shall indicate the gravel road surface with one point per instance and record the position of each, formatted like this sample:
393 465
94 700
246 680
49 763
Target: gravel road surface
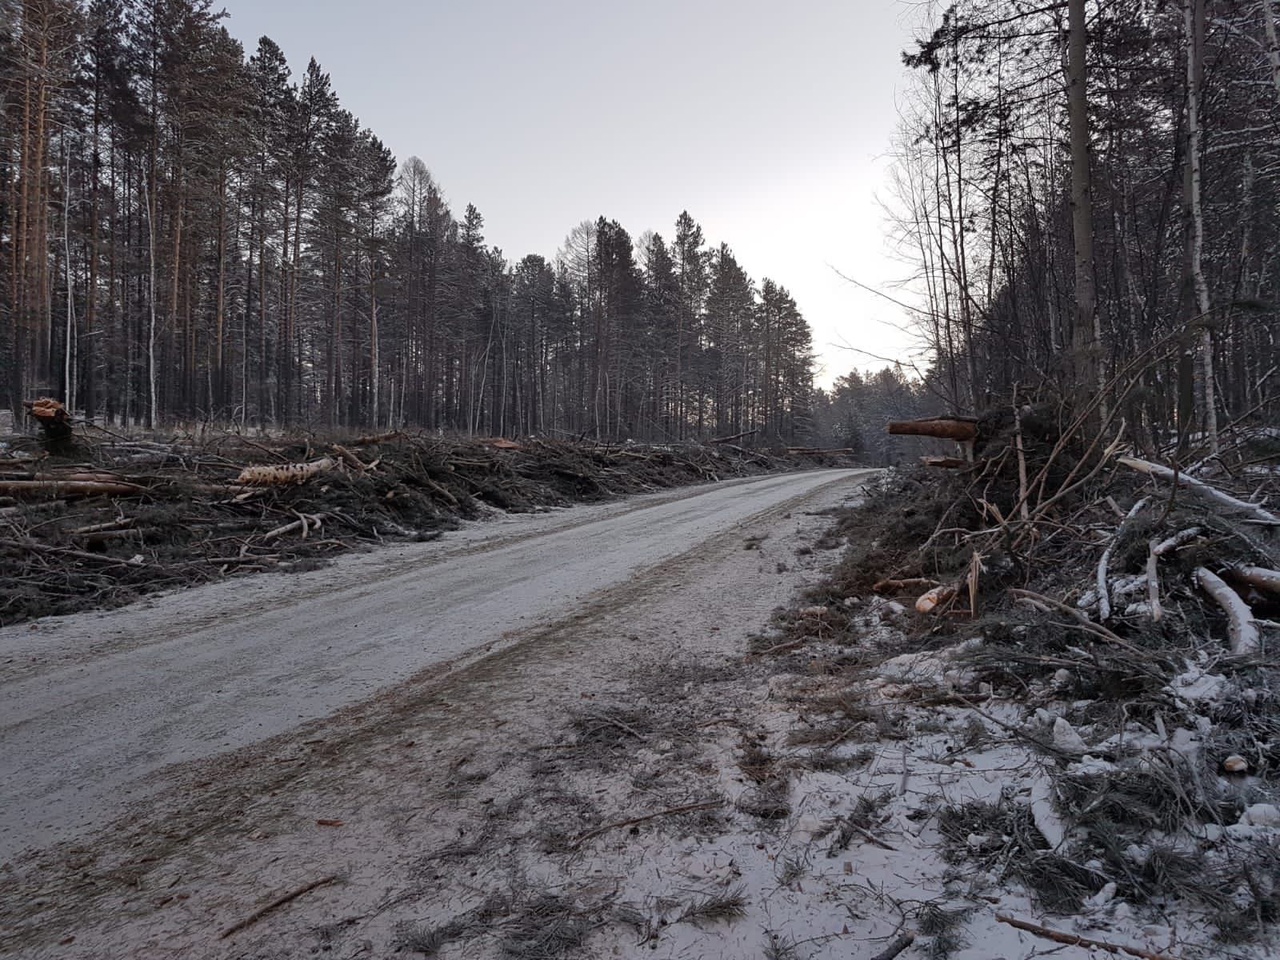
92 706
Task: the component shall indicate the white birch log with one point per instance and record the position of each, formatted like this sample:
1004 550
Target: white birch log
1241 629
1202 489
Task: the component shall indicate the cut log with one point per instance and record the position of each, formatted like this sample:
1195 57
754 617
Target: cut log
1252 511
936 597
963 429
52 416
1241 629
946 463
284 474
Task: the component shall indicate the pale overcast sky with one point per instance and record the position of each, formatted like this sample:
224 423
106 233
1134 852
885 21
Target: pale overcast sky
770 122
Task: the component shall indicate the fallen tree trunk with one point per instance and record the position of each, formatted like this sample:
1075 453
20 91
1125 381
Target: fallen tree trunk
963 429
736 436
69 488
1252 510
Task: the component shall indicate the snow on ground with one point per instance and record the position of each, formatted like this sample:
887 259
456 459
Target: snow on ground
629 784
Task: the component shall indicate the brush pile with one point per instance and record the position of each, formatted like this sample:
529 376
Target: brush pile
110 518
1099 629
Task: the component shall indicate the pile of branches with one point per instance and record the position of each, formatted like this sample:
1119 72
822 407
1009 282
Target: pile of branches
1126 610
108 518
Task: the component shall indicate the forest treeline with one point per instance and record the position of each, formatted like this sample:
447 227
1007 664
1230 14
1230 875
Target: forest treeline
187 232
1089 189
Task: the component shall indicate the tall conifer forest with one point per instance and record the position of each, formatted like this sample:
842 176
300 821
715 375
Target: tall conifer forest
189 233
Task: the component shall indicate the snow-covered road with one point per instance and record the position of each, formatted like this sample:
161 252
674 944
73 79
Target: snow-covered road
92 704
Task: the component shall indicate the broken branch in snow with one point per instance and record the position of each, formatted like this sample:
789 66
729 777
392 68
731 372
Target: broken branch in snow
896 947
672 811
1104 594
1251 510
1075 940
276 904
1241 629
1153 583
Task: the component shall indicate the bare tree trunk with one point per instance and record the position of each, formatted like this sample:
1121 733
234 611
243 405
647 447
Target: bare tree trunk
1273 43
1193 22
1086 335
152 411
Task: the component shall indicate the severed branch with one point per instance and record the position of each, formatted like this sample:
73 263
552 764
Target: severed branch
1241 629
276 904
1074 940
896 947
1251 510
1260 577
687 808
350 459
736 436
1096 629
1153 583
1104 593
1179 539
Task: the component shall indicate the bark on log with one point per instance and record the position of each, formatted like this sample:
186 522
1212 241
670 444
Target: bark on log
284 474
1260 577
963 429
